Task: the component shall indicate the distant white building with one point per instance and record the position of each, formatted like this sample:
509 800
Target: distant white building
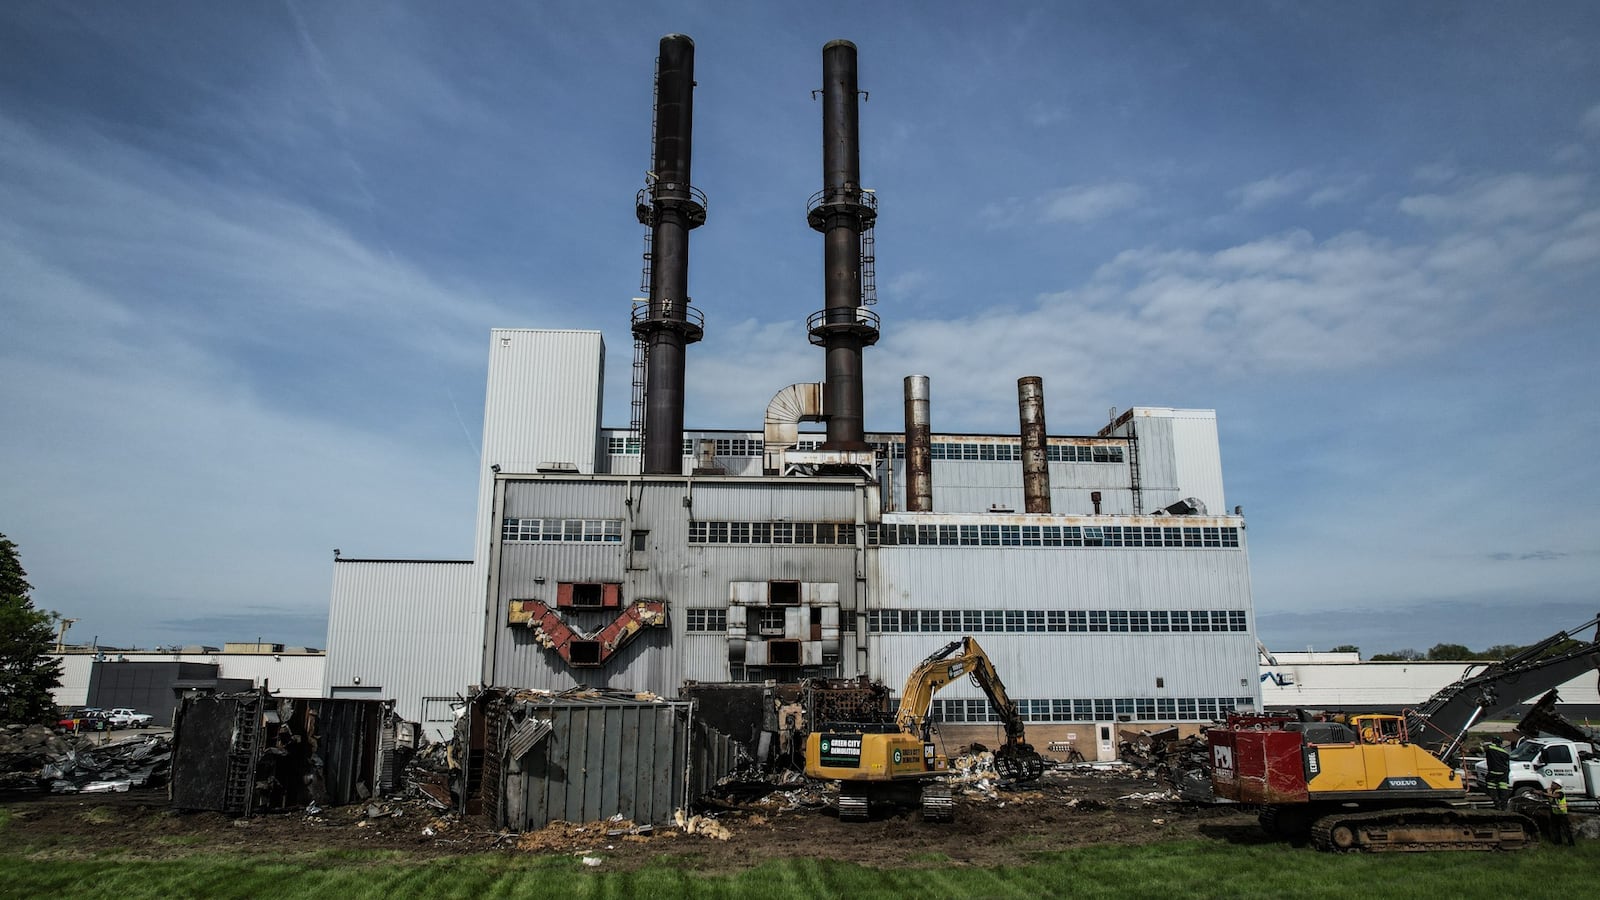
1341 681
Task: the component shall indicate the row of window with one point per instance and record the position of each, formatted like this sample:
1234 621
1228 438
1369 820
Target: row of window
1021 621
706 620
1087 621
999 535
607 531
835 534
1097 709
814 533
976 535
1085 453
630 446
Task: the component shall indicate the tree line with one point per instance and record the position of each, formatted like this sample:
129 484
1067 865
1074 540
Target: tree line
1440 653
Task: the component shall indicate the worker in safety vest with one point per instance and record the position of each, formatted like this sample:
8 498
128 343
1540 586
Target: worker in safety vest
1497 760
1560 825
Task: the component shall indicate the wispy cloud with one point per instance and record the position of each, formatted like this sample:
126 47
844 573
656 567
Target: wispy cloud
1273 188
1085 203
1517 196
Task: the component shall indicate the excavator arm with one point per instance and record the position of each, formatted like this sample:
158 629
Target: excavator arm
1016 759
1441 722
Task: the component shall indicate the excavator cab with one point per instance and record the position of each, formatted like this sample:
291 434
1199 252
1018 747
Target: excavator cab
1379 729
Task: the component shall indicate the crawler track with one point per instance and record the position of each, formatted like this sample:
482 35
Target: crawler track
1424 828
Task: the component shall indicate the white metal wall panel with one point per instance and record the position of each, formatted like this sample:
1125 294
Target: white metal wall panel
542 404
414 629
1087 666
1197 457
74 688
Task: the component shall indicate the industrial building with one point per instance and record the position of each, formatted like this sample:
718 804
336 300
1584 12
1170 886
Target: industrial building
1100 569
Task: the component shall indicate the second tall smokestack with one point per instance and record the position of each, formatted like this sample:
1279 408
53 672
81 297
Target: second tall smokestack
670 206
841 211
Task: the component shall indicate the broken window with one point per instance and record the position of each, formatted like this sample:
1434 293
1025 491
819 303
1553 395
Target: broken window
783 653
783 593
589 595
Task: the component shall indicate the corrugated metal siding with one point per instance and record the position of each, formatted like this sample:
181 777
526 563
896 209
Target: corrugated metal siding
671 569
1198 459
798 500
1048 666
606 759
74 688
415 630
542 404
1075 665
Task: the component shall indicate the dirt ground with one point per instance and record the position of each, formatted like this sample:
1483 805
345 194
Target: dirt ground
1073 808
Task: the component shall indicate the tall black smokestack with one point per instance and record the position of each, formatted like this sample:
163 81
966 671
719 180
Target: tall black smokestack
841 211
670 206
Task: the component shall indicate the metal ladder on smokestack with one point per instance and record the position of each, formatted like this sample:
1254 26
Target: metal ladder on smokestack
869 268
641 350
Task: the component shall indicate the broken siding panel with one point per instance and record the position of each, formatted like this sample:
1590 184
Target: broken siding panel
605 759
414 630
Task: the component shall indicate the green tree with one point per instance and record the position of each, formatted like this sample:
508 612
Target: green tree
1406 655
26 673
1450 651
1347 648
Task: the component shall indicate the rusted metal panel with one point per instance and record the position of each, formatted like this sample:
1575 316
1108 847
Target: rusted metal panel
919 445
1035 466
1258 766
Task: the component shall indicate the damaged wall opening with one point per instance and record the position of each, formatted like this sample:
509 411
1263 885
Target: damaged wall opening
589 595
783 653
783 593
583 653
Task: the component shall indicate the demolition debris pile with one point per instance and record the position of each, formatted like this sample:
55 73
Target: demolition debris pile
34 758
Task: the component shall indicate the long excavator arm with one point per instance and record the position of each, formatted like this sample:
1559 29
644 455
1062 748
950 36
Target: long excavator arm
1016 759
1441 722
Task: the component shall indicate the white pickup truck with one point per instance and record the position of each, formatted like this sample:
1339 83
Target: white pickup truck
1539 762
123 717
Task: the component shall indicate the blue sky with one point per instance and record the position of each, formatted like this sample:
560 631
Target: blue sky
250 255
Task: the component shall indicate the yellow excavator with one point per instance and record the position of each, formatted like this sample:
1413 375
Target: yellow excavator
895 763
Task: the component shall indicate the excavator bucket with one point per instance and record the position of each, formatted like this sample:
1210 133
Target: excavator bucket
1018 764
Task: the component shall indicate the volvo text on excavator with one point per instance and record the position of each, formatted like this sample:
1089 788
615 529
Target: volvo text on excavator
896 763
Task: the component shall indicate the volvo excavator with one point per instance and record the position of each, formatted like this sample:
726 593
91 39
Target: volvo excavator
1377 782
896 763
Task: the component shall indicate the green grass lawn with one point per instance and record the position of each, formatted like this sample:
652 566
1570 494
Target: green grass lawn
1187 869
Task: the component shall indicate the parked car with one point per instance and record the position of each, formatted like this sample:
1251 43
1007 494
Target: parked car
123 717
87 719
